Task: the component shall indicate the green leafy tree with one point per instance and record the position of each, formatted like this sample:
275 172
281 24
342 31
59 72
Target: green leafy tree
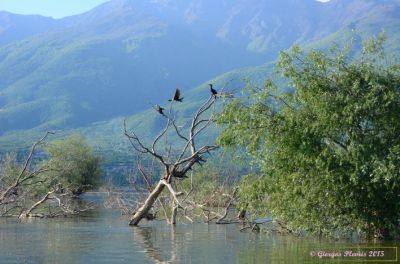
9 169
329 151
72 165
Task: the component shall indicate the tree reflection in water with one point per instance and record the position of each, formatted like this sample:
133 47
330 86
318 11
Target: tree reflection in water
148 237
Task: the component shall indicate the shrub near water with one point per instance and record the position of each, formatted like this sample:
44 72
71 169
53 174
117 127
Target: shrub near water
212 183
72 164
29 187
329 151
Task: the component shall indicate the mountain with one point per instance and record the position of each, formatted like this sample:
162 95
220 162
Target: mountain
16 27
83 73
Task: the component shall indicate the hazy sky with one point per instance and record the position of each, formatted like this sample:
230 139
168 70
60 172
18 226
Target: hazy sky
53 8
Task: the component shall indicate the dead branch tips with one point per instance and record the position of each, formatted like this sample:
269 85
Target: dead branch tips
186 158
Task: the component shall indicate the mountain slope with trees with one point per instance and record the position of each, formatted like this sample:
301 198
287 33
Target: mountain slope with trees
87 71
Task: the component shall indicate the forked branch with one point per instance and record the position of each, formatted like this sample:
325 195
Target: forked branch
187 158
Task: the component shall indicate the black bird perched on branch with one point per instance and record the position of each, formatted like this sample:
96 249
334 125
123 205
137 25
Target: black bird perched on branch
177 96
160 109
213 91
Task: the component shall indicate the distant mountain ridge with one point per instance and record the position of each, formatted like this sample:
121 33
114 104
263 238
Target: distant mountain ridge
244 20
16 27
125 55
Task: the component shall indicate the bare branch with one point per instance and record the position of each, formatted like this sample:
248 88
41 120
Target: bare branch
173 192
195 156
195 122
179 133
221 219
35 205
207 105
149 188
140 147
189 155
21 177
162 133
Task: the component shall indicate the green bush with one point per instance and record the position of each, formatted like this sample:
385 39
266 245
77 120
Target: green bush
330 150
212 182
9 170
72 165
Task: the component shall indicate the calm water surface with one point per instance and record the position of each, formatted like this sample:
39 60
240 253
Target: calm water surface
105 237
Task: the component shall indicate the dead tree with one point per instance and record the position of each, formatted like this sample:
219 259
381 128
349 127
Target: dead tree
17 198
174 168
24 175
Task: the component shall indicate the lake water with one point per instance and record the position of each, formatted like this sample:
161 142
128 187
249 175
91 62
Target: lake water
105 237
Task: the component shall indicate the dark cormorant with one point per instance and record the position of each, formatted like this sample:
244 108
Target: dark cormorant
177 96
160 110
213 91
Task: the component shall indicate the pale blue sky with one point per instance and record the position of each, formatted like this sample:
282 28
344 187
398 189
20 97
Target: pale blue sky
52 8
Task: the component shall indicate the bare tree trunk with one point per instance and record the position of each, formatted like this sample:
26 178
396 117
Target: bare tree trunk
221 219
34 206
189 156
143 211
174 212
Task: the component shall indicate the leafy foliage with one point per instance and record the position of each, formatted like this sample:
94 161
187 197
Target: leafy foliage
211 183
72 165
9 169
329 151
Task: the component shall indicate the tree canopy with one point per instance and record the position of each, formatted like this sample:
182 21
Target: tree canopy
329 150
72 164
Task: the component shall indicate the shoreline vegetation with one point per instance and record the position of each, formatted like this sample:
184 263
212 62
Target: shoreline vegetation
327 155
328 150
48 184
